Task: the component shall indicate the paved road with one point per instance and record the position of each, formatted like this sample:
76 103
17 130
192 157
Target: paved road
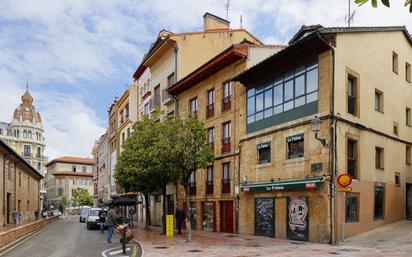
68 238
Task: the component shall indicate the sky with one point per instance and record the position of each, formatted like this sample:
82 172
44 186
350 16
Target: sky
77 55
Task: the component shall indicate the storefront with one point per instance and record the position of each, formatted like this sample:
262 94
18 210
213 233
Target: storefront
283 209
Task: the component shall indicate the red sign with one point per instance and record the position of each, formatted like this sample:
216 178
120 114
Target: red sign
310 185
344 180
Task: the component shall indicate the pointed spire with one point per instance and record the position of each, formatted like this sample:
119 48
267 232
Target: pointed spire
27 85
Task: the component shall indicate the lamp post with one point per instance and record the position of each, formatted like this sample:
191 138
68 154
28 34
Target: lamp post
316 122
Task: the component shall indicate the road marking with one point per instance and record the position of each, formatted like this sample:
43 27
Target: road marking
108 251
119 251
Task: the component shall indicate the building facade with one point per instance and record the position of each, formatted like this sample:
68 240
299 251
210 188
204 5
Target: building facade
25 134
64 175
208 94
317 109
19 186
101 174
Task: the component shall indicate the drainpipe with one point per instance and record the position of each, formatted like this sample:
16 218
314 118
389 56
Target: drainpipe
238 195
4 190
15 185
176 49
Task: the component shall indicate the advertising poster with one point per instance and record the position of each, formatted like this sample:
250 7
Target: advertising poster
298 218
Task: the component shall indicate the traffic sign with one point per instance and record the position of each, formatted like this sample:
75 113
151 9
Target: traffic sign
344 180
344 189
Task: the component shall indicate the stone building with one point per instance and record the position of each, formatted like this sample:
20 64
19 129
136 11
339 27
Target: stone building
25 134
19 186
101 174
170 58
336 100
64 175
208 94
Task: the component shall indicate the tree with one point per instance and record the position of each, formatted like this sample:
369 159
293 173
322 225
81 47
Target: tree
64 202
384 2
81 197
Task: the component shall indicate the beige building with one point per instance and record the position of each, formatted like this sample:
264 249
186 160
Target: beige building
66 174
336 100
101 174
19 186
208 94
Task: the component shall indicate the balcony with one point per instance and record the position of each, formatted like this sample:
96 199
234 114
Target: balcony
26 154
352 168
166 98
39 157
209 187
194 114
226 145
225 186
210 110
226 103
192 188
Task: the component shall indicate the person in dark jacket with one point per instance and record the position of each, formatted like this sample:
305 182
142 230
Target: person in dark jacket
110 222
180 217
102 219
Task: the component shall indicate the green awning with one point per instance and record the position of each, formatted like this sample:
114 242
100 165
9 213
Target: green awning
281 185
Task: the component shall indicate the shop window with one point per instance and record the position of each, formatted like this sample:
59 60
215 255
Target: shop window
379 205
379 158
378 100
263 151
352 208
408 72
352 158
395 62
408 155
408 117
295 146
397 179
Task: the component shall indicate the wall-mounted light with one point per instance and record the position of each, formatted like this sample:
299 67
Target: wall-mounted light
316 122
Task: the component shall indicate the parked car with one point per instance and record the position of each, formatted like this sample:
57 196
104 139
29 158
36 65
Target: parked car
83 214
93 218
56 213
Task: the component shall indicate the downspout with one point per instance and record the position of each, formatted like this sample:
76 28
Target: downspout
4 190
238 195
176 49
15 185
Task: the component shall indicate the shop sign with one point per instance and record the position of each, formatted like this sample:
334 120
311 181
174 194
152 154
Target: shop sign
344 180
263 146
344 189
310 185
295 138
298 218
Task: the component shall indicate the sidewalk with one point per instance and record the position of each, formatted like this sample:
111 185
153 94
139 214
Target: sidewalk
222 245
11 226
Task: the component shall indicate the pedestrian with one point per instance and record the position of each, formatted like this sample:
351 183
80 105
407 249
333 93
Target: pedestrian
15 216
131 213
20 218
110 222
180 217
102 219
36 214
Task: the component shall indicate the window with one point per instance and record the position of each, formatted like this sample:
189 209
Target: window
19 179
397 179
194 105
30 134
226 178
408 117
39 166
227 96
38 154
263 152
171 79
210 108
352 158
395 62
396 129
123 138
146 109
60 192
157 95
379 203
352 95
25 133
352 208
209 180
73 168
295 89
84 169
210 132
408 72
192 183
126 111
27 151
408 155
378 101
295 146
379 158
226 137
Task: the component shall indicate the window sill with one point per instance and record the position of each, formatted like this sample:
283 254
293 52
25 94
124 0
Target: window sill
351 222
410 126
381 169
381 112
409 164
262 165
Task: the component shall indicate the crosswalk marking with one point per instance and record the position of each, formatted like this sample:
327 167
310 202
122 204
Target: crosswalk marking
119 251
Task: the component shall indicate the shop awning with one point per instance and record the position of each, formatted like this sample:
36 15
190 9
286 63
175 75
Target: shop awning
281 185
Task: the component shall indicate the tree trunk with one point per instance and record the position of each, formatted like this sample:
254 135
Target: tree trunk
188 218
147 209
164 210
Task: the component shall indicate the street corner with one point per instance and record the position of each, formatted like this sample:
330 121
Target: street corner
132 250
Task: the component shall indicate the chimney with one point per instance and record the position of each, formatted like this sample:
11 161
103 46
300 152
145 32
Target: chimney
213 22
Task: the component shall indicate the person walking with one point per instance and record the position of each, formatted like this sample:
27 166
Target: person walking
36 214
102 219
15 216
180 217
110 222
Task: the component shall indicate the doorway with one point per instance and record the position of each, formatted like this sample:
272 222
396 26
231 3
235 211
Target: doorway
409 201
226 216
8 208
209 216
265 217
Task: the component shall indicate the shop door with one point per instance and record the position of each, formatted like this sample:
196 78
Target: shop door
298 218
409 201
265 217
8 208
226 216
209 219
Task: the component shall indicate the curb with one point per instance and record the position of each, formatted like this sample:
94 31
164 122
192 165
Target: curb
5 249
140 246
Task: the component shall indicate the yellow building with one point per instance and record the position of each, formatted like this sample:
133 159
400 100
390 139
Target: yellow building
170 58
336 100
19 186
208 94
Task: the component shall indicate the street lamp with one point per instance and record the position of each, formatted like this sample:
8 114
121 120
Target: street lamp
316 129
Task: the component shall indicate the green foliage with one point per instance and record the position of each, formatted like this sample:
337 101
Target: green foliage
81 197
64 200
384 2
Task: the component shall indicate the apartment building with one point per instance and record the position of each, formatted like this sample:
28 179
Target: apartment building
101 175
208 94
170 58
336 100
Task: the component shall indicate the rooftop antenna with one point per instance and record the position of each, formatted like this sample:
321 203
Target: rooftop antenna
227 9
241 22
350 15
